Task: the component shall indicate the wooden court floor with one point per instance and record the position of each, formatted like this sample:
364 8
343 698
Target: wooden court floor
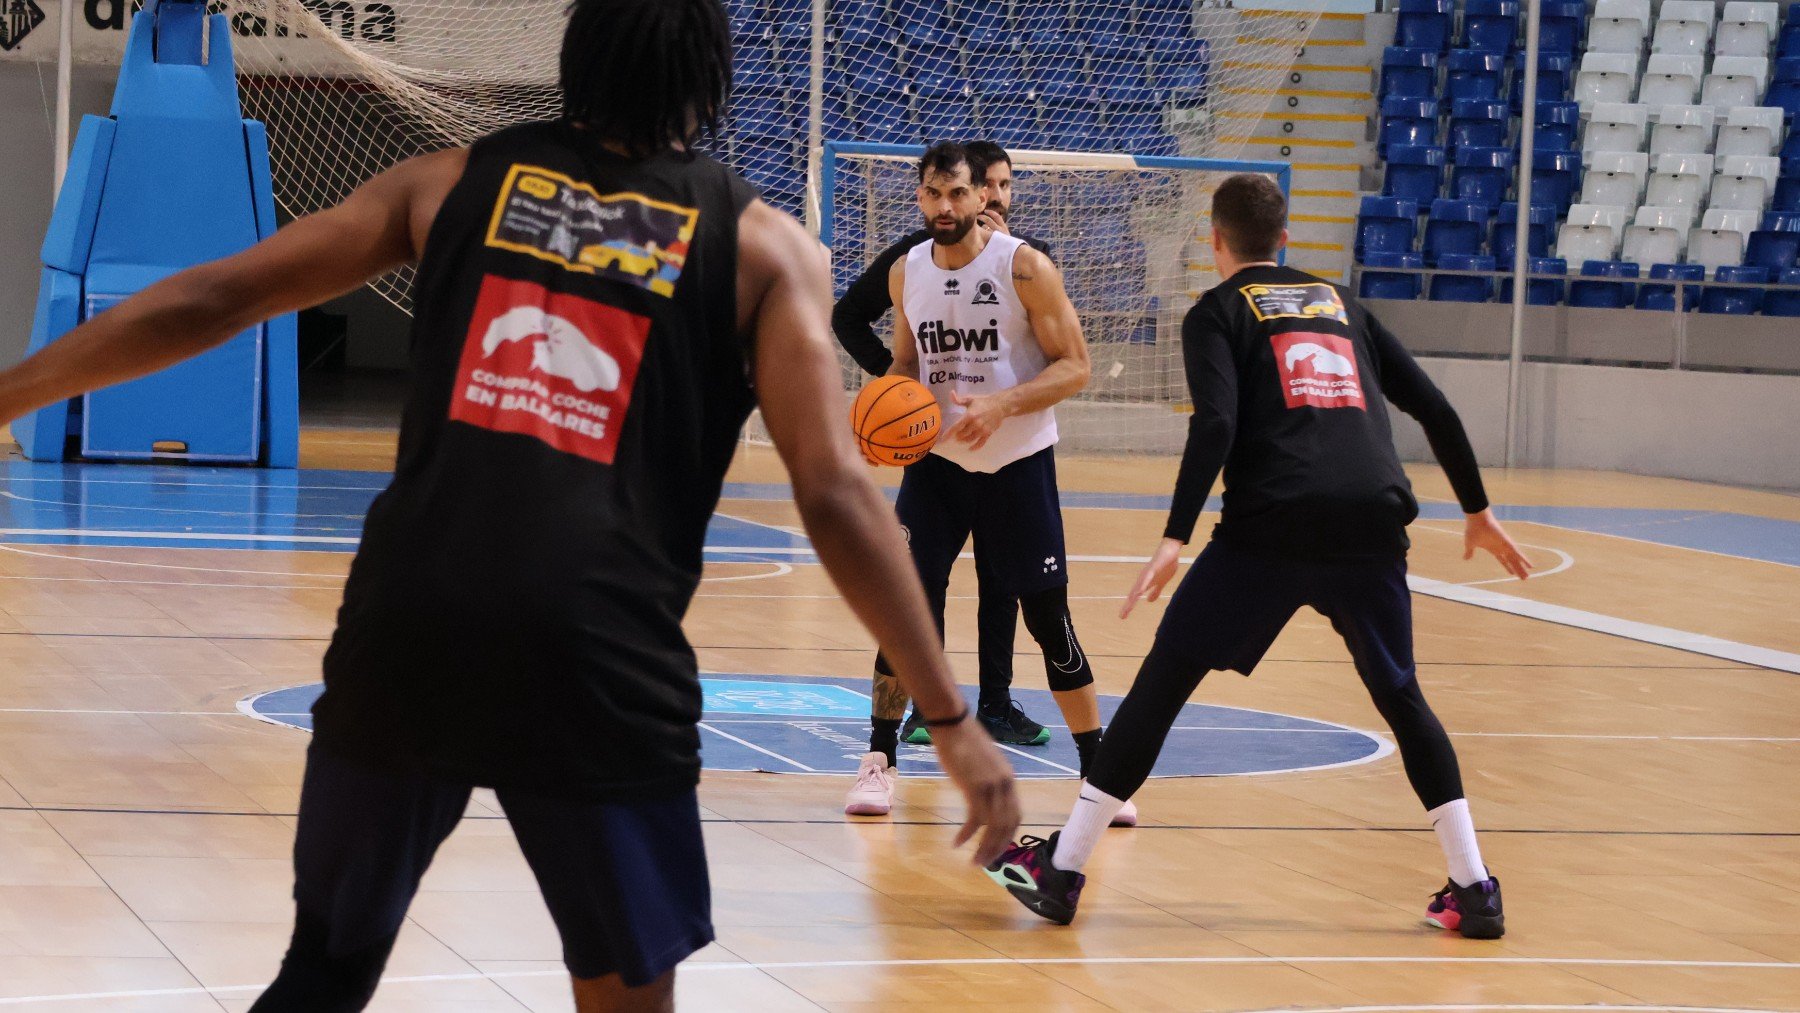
1629 740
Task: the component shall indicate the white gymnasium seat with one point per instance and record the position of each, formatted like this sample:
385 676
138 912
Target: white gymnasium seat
1683 26
1747 29
1680 183
1682 129
1619 26
1735 81
1591 232
1715 248
1657 236
1751 130
1744 182
1635 164
1606 77
1615 126
1671 81
1720 239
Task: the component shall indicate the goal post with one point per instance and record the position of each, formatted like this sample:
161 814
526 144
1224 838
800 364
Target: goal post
1130 234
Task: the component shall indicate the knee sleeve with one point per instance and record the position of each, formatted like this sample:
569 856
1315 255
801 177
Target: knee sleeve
1425 749
1047 617
315 980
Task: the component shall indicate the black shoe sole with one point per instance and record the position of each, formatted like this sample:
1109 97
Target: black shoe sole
1482 926
1042 905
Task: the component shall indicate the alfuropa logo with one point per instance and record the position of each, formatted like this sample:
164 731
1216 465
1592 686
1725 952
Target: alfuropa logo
936 338
17 19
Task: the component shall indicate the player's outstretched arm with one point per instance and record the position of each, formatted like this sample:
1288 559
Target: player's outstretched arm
783 299
1058 329
378 228
1412 391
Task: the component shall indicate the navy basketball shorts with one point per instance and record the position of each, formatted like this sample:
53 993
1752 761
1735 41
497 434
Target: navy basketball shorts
625 882
1014 514
1232 604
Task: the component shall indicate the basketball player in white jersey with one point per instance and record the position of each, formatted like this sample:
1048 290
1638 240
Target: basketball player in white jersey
983 320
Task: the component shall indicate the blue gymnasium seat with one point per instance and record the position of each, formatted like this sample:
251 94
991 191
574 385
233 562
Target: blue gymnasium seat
1472 73
1410 72
1771 249
1539 230
1424 24
1493 26
1478 123
1555 179
1386 225
1538 291
1662 297
1414 172
1458 288
1455 228
1390 284
1407 120
1783 304
1556 74
1735 301
1482 174
1560 25
1604 294
1557 126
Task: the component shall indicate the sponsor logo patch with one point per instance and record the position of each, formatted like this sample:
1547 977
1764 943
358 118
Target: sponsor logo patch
1317 370
1305 302
622 236
17 19
549 365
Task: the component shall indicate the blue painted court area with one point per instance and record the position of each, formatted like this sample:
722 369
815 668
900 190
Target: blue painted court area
798 725
242 508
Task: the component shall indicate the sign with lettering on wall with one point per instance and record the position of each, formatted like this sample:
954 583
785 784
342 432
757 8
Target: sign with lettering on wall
293 36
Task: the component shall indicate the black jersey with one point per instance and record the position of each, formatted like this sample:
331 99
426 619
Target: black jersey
1289 375
513 616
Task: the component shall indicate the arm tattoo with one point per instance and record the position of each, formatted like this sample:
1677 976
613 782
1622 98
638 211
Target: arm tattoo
1023 275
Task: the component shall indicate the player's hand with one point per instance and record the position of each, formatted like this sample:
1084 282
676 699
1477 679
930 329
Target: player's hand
1155 576
968 754
981 419
991 219
1483 531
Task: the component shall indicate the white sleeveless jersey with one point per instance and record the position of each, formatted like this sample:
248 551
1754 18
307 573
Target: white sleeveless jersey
974 338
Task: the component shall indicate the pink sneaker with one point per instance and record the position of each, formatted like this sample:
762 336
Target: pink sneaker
1126 816
873 792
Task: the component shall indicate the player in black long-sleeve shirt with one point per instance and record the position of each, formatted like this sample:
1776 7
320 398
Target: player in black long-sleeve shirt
1288 376
853 320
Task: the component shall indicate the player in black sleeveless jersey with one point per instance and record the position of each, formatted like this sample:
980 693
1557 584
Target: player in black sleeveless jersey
598 310
1289 377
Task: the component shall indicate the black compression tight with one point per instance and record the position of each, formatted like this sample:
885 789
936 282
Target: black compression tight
315 980
1137 732
1066 665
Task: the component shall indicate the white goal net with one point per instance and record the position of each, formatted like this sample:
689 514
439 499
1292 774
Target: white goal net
350 87
1128 238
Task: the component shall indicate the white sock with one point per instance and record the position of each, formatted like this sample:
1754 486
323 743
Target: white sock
1456 834
1093 811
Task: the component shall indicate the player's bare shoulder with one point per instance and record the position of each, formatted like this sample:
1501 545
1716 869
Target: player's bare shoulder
896 280
1031 266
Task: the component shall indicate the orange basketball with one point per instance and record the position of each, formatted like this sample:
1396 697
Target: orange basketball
896 420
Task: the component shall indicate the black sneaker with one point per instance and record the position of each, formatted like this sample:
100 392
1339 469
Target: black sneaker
1012 727
1025 870
914 731
1472 910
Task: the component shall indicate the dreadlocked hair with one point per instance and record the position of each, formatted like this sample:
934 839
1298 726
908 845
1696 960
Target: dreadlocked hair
647 75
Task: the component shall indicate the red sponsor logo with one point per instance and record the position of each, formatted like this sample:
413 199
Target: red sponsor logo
549 365
1317 370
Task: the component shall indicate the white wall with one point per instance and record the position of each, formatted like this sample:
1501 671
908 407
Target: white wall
1732 428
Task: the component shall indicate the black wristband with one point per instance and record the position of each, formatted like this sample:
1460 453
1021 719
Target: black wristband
947 722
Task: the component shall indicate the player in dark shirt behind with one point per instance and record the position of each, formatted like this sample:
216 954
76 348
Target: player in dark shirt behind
1288 375
853 319
513 615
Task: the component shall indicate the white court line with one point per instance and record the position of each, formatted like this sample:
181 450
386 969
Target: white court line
1562 615
864 721
180 536
809 965
765 752
1048 763
172 511
781 570
167 566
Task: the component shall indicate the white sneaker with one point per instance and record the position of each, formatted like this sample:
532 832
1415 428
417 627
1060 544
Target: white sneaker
1126 816
873 793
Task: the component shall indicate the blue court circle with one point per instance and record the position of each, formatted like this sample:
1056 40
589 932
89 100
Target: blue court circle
802 725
